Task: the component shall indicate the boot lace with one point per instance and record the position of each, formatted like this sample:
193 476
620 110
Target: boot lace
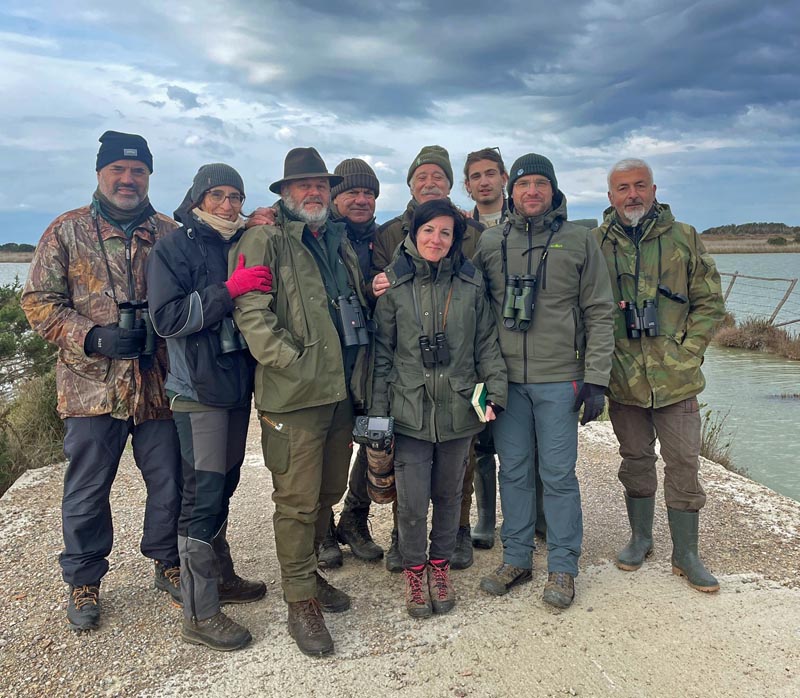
441 579
173 575
414 582
83 595
311 616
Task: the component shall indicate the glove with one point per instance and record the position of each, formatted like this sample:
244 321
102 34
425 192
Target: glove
115 342
243 280
593 399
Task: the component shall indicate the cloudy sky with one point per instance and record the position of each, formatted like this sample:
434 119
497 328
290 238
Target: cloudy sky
708 92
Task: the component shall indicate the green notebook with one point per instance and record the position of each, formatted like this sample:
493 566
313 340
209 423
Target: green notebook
479 401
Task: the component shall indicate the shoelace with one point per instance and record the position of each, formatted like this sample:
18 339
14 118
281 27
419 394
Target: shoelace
173 575
414 580
312 615
440 580
561 580
84 595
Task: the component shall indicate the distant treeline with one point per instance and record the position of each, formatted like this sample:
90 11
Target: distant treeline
17 247
754 230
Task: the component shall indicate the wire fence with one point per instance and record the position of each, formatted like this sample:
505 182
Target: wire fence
761 297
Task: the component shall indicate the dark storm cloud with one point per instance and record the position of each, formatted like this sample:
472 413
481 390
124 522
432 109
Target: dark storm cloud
186 98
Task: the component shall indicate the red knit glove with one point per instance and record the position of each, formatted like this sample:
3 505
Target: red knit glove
243 280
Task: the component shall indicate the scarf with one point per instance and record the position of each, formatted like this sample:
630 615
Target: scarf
227 229
124 218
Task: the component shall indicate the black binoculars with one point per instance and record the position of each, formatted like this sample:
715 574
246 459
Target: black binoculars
436 354
354 327
230 339
640 321
518 302
129 320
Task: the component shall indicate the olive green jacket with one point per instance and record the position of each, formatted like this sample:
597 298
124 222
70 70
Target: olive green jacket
660 371
434 404
290 332
571 337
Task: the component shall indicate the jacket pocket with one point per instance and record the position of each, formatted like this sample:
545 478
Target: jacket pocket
275 443
406 399
93 368
463 413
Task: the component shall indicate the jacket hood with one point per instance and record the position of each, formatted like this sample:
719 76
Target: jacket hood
657 222
557 212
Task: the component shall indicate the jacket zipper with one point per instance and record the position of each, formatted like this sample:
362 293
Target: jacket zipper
525 334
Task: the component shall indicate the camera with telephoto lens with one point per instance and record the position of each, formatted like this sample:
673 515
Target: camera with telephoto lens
354 328
230 339
135 315
375 432
640 321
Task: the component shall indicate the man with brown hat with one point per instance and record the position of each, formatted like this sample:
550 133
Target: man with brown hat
353 205
310 341
86 294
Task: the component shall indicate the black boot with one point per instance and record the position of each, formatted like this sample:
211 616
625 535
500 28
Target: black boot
83 607
462 555
353 530
683 525
230 586
328 554
394 561
640 546
486 501
307 628
218 632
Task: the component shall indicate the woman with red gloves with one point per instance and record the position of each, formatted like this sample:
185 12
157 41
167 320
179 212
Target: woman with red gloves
210 383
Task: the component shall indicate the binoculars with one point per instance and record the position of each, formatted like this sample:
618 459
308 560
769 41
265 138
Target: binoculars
518 302
640 321
128 320
437 354
230 339
354 328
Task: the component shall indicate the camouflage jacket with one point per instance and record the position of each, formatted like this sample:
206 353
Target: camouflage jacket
662 370
68 292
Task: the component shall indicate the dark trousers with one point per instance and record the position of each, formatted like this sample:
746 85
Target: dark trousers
93 446
428 472
357 499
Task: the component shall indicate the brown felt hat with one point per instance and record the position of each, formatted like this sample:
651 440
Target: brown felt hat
302 163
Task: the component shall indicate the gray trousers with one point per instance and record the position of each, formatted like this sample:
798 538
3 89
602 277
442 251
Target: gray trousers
428 472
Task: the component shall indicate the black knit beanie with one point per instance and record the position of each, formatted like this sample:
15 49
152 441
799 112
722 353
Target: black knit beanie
357 174
216 174
123 146
432 155
531 164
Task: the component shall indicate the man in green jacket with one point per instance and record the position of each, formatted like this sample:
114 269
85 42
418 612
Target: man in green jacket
670 301
552 303
310 343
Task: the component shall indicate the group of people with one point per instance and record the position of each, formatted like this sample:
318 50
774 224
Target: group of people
167 330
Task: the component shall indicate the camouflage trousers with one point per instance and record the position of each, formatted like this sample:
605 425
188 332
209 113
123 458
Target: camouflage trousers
677 428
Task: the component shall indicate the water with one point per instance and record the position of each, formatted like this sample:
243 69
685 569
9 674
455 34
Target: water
8 270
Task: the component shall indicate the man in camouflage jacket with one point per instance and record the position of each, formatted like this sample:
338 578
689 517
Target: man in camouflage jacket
87 271
661 271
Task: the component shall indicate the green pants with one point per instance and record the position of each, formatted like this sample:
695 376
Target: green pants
308 453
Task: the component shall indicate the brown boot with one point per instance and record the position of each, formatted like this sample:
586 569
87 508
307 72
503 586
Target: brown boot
307 628
418 599
443 595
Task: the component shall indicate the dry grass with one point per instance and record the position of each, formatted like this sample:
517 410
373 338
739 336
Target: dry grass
716 245
759 335
21 257
715 443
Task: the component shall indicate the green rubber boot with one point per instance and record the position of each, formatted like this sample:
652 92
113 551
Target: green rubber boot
686 562
486 500
640 546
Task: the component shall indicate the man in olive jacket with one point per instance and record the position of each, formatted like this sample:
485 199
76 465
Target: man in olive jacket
552 302
311 373
673 302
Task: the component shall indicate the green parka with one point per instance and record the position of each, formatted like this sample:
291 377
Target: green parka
660 371
434 404
571 337
290 331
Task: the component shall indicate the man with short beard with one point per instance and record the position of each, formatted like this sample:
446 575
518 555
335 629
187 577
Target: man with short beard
311 375
670 302
84 294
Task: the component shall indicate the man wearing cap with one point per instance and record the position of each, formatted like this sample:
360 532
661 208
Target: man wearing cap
430 177
85 293
353 204
308 338
552 301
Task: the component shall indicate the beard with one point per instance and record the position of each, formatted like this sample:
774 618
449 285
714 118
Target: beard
635 215
313 220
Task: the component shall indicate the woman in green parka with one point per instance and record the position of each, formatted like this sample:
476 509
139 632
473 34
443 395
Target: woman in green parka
436 340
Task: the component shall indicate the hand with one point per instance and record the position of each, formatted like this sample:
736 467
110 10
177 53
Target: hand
115 342
593 399
261 216
489 413
244 279
380 283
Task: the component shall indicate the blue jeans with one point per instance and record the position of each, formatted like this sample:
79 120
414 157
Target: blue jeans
540 415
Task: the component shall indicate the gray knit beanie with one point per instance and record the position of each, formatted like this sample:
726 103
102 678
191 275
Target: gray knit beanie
531 164
432 155
216 174
357 174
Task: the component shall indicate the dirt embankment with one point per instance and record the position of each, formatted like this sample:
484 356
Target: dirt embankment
628 634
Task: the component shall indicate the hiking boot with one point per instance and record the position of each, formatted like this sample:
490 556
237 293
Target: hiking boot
503 578
443 595
83 607
559 590
218 632
328 554
683 526
394 561
462 555
307 628
353 530
640 545
418 598
169 579
331 599
238 590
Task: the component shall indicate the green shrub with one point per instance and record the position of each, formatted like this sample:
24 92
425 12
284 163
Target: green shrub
777 240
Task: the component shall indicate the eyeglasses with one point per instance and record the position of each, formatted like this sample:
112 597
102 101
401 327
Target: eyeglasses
218 197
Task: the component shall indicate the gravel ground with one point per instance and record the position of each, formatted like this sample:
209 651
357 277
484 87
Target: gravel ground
628 634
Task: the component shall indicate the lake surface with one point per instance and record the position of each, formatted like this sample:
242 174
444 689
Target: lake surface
9 270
